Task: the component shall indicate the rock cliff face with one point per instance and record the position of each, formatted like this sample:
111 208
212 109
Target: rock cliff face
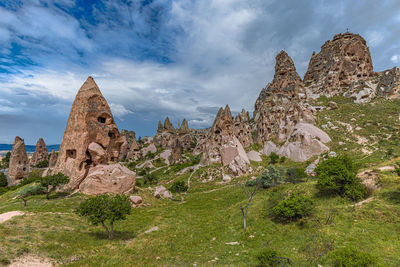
91 137
222 146
281 104
342 61
19 166
242 128
40 153
53 159
166 135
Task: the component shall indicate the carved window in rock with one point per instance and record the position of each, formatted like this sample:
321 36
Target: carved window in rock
111 135
101 119
71 153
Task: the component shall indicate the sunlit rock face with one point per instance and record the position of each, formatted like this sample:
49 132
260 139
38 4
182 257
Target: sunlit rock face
342 61
281 104
91 137
40 153
19 165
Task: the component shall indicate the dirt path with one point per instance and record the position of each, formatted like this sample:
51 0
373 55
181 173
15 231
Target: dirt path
31 261
9 215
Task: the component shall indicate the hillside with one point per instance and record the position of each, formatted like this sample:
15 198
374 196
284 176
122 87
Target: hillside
206 227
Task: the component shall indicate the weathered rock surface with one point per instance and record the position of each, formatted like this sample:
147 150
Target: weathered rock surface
161 191
19 166
130 136
151 148
134 151
113 178
242 129
40 153
280 105
53 159
90 122
254 156
305 142
136 200
166 135
176 151
222 146
341 61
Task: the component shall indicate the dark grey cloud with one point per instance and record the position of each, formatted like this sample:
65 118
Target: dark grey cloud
152 59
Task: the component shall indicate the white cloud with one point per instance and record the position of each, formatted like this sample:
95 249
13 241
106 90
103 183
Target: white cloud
119 110
395 59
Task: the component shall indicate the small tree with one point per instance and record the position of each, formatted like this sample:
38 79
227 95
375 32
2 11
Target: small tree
43 164
293 207
339 175
36 189
51 182
6 160
179 187
249 192
271 177
3 180
295 175
274 158
105 208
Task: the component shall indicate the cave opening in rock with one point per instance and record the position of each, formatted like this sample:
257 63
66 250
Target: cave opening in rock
101 119
71 153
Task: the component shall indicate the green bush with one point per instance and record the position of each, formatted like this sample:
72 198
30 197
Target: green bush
274 158
51 182
3 180
178 187
295 175
269 257
42 164
34 176
350 257
150 179
269 178
142 172
104 208
339 175
6 160
293 207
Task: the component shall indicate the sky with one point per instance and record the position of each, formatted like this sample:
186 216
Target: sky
176 58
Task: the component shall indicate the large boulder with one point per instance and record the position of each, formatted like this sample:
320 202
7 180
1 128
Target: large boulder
161 192
40 153
114 178
19 166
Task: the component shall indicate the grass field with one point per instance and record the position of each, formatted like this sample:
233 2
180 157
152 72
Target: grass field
200 229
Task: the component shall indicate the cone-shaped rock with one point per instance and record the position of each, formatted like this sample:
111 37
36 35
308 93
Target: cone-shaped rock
160 127
184 128
90 122
19 166
53 159
280 106
40 153
168 126
176 151
242 129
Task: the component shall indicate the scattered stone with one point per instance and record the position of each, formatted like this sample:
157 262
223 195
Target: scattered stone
161 191
136 200
310 168
233 243
254 156
226 178
332 105
152 230
332 154
370 179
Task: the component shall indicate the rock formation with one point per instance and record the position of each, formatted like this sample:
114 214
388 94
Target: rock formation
130 136
184 128
91 138
53 159
280 105
344 60
165 134
222 146
242 129
133 153
19 166
40 153
176 151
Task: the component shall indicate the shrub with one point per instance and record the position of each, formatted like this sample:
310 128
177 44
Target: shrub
269 257
269 178
339 175
3 180
104 208
178 187
43 164
142 172
36 189
293 207
34 176
350 257
150 179
6 160
282 159
274 158
51 182
295 175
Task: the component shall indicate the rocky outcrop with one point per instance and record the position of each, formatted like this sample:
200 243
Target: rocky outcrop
184 128
19 166
133 153
341 62
305 142
176 154
91 138
222 146
165 134
124 149
130 136
40 153
242 129
281 104
53 159
388 83
113 178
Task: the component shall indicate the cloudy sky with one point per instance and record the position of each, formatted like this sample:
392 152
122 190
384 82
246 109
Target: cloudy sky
176 58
